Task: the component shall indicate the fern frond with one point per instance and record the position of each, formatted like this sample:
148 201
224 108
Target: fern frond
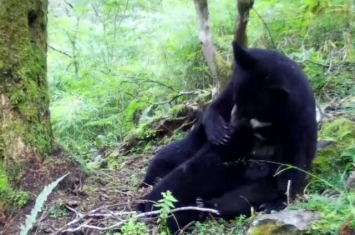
41 199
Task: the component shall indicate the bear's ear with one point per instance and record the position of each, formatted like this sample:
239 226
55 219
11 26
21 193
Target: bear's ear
279 92
242 57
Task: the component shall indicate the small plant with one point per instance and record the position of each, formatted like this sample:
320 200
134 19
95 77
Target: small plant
165 204
57 211
41 199
133 227
239 224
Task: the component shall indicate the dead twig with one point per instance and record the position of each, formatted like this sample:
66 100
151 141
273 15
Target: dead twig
82 218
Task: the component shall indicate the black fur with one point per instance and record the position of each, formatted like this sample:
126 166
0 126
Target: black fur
205 176
177 152
239 201
268 86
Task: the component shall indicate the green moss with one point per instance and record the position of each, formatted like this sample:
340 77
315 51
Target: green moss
340 129
272 228
26 84
143 132
203 99
26 131
331 161
224 70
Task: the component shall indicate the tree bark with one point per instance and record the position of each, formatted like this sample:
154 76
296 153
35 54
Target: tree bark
220 69
240 34
25 131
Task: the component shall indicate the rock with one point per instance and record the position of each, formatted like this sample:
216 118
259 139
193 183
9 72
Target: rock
319 113
287 222
350 182
321 144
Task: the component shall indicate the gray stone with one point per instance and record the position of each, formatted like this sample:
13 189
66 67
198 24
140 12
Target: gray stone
287 222
350 182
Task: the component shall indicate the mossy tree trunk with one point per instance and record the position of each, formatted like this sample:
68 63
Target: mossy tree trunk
220 68
25 131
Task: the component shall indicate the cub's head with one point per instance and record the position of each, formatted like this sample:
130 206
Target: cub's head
261 84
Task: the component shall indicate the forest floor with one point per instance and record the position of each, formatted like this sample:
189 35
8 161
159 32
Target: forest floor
92 203
105 197
105 191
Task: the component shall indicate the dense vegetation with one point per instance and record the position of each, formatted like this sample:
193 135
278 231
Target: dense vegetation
114 65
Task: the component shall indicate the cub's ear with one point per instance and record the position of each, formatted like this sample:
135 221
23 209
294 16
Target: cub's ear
242 57
279 92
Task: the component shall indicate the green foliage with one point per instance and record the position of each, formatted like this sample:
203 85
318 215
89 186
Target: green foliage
133 227
19 198
112 62
100 78
41 199
139 228
209 227
131 114
57 211
220 226
333 212
3 179
14 198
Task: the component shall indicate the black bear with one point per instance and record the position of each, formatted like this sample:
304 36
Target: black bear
265 86
239 201
177 152
207 175
269 87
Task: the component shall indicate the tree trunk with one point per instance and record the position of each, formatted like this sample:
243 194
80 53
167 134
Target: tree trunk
25 131
240 34
220 69
241 23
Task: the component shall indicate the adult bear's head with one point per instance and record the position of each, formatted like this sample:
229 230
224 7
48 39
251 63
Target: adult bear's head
267 84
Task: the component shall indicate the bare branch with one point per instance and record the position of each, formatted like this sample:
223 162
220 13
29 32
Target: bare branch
60 51
82 218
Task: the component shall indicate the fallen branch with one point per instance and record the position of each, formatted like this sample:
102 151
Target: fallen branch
83 218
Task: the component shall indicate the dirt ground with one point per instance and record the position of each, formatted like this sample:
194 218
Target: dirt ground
106 190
